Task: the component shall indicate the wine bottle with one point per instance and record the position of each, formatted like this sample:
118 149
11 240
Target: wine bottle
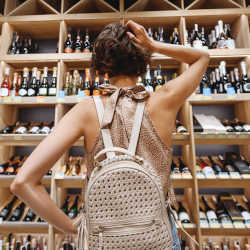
161 34
236 125
203 39
30 216
244 198
65 206
18 212
215 166
226 83
174 168
148 80
228 167
5 165
78 43
212 217
180 128
86 43
139 81
13 45
11 170
23 90
68 46
43 89
197 43
4 213
230 43
244 81
32 89
34 128
87 87
203 218
14 87
207 169
73 211
76 78
245 214
183 168
96 90
238 85
159 80
221 43
227 125
46 127
5 86
221 212
52 86
182 214
176 38
21 128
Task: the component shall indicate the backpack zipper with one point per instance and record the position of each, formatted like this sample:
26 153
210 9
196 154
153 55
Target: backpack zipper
124 227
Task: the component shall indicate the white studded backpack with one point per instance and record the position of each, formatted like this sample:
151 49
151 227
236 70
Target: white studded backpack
125 208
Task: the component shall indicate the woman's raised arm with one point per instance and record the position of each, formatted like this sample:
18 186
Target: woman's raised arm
177 90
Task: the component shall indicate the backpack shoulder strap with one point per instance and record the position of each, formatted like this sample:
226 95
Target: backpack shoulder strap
136 127
105 132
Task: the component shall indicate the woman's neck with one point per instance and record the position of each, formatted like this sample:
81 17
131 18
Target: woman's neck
123 81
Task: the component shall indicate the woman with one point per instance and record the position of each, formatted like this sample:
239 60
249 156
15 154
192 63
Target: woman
123 52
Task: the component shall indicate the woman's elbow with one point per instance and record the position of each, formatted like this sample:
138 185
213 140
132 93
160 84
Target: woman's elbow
17 186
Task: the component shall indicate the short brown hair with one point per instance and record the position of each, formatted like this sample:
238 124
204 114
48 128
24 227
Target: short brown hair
116 54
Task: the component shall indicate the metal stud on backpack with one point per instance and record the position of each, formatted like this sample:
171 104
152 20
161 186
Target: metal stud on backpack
124 202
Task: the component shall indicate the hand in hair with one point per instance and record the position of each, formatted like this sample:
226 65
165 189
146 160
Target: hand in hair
139 35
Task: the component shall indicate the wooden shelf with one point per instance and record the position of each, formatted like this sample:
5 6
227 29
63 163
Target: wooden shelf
23 227
29 101
6 180
222 138
223 183
218 98
225 231
21 140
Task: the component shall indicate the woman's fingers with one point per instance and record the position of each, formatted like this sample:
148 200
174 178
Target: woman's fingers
133 37
134 27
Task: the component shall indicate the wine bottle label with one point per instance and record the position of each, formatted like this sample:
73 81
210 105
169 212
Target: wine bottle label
34 129
183 216
45 130
197 44
246 87
149 88
31 92
246 215
221 44
238 128
246 127
4 212
22 92
52 91
208 170
10 170
16 212
211 215
229 128
13 94
181 129
158 87
68 50
230 43
87 92
71 215
96 92
1 170
4 92
21 130
203 216
43 91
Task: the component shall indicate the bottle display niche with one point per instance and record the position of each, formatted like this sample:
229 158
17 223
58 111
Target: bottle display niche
45 69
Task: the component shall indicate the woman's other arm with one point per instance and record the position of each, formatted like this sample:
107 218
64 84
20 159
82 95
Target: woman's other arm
27 184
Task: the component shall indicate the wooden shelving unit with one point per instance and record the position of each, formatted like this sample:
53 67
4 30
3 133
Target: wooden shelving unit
44 19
